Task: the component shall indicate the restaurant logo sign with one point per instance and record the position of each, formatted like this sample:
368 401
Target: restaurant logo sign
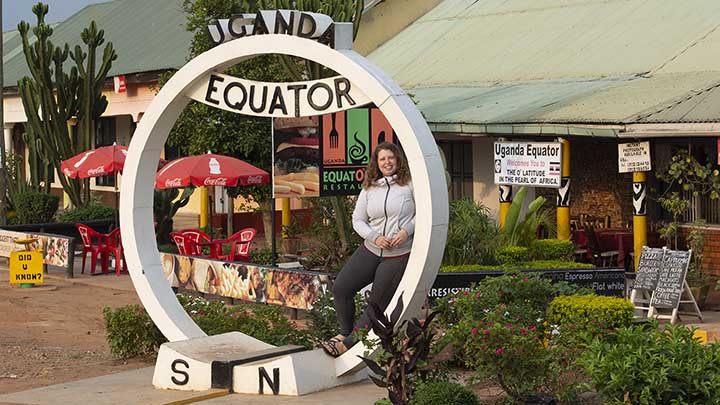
326 155
534 164
634 157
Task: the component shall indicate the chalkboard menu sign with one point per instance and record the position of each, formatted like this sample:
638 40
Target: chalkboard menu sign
671 280
649 268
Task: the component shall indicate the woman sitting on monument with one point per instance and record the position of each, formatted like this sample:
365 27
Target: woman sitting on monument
384 217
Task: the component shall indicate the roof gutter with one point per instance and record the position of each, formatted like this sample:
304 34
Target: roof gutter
530 129
671 130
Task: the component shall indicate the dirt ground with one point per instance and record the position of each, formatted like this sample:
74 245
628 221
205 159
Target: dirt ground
55 336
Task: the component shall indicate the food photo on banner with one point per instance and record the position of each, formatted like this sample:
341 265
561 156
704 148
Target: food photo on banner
247 282
326 155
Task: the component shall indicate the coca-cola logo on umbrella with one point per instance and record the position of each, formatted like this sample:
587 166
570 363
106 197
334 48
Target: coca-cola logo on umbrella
176 182
96 171
255 179
220 181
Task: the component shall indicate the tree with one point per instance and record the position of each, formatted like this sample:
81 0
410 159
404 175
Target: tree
51 97
201 128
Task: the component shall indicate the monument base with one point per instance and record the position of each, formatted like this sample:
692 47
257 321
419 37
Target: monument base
245 365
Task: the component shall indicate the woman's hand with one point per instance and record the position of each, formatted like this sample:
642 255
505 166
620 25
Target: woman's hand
399 238
383 243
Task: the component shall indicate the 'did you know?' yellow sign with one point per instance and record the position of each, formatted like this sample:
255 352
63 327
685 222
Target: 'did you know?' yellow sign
26 267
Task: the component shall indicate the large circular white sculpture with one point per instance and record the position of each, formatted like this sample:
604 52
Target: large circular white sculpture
136 202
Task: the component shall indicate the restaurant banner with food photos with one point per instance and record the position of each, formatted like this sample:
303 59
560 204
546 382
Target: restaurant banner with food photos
247 282
326 155
55 248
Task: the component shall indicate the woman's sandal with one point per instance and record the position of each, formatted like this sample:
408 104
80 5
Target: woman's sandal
334 347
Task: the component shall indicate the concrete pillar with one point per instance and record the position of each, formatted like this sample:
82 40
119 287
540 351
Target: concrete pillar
639 210
563 196
7 135
505 201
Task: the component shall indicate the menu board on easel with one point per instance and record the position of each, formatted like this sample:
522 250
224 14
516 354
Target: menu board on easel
671 280
649 268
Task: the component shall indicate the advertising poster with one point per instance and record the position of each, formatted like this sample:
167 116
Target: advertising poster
247 282
326 155
55 248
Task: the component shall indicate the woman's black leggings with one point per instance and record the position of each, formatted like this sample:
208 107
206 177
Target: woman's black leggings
362 269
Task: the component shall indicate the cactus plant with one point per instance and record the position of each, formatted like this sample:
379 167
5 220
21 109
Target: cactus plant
51 97
165 205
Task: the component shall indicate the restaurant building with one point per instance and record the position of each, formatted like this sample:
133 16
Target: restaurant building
595 74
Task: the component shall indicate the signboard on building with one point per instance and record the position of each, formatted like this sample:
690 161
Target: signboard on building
326 155
634 157
534 164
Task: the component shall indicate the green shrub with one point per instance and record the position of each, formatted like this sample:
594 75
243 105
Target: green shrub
581 310
511 255
93 211
530 291
131 332
472 233
552 249
645 365
499 330
260 256
443 392
323 318
36 208
534 264
383 401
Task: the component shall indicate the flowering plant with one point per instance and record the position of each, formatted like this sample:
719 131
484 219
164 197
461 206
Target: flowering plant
509 349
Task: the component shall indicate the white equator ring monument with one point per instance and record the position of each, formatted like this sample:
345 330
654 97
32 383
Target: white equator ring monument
194 361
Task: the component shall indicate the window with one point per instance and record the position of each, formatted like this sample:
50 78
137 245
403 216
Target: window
458 156
705 151
105 136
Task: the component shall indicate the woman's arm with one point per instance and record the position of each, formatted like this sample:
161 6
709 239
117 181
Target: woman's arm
361 221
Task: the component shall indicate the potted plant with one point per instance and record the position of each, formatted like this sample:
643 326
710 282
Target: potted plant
291 237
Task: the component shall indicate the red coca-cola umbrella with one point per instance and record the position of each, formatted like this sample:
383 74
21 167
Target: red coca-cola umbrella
209 170
103 161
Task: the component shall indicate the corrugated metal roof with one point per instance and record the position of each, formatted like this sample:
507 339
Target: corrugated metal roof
560 61
147 36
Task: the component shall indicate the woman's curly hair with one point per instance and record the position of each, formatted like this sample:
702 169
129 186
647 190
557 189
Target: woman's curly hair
373 173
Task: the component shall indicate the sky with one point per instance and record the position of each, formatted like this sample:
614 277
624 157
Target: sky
14 11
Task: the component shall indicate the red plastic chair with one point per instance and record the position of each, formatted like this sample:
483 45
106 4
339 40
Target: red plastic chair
179 242
240 249
191 238
95 243
115 248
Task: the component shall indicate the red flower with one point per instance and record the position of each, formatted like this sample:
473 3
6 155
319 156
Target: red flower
486 331
523 331
533 328
525 279
478 295
499 351
474 331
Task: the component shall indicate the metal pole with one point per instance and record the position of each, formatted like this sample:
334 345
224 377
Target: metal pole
272 232
3 171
